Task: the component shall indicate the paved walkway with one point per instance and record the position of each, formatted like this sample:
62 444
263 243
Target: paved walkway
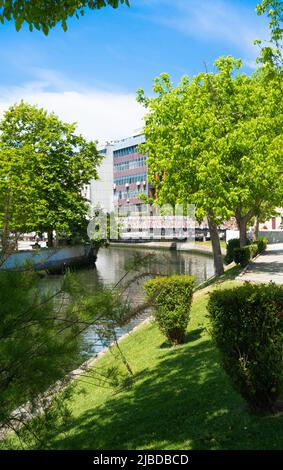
266 267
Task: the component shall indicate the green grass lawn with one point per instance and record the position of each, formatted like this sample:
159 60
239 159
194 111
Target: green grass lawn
180 398
208 243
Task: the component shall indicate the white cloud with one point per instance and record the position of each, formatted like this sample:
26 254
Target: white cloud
101 115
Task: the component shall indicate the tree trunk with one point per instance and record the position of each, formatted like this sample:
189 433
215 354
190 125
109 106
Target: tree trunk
50 238
242 225
242 221
5 234
256 229
6 229
216 248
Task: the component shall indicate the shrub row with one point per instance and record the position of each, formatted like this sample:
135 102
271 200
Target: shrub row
171 298
262 243
230 246
247 329
242 256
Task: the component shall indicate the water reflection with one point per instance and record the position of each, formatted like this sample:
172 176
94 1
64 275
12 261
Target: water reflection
110 268
111 261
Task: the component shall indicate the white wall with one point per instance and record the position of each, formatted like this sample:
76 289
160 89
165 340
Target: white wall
232 234
101 190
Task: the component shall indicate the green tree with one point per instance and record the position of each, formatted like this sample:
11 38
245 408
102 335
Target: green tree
271 55
41 342
215 141
43 168
178 145
45 14
16 194
252 149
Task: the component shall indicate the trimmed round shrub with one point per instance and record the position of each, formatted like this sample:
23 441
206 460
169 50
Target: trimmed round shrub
247 329
230 245
261 243
171 298
243 255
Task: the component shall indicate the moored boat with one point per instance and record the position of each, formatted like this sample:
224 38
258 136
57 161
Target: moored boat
52 260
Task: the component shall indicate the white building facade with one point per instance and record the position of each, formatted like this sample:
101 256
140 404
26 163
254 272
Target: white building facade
101 190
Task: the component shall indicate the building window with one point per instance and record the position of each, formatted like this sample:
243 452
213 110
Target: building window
125 151
130 179
130 165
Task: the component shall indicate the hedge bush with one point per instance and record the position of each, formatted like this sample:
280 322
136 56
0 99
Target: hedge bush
243 255
247 329
261 243
171 298
230 245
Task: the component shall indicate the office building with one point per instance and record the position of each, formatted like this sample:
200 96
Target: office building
130 175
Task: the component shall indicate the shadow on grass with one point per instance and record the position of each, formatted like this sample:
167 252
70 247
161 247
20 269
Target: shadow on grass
185 402
193 335
228 275
189 337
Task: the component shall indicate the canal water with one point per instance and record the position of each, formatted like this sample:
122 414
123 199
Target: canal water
111 262
111 267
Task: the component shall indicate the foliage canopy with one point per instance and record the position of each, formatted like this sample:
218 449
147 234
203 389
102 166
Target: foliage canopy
43 168
216 141
45 14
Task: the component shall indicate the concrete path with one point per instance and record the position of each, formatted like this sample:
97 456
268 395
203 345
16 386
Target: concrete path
266 267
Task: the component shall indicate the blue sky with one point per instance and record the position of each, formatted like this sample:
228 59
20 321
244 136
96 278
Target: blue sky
90 74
